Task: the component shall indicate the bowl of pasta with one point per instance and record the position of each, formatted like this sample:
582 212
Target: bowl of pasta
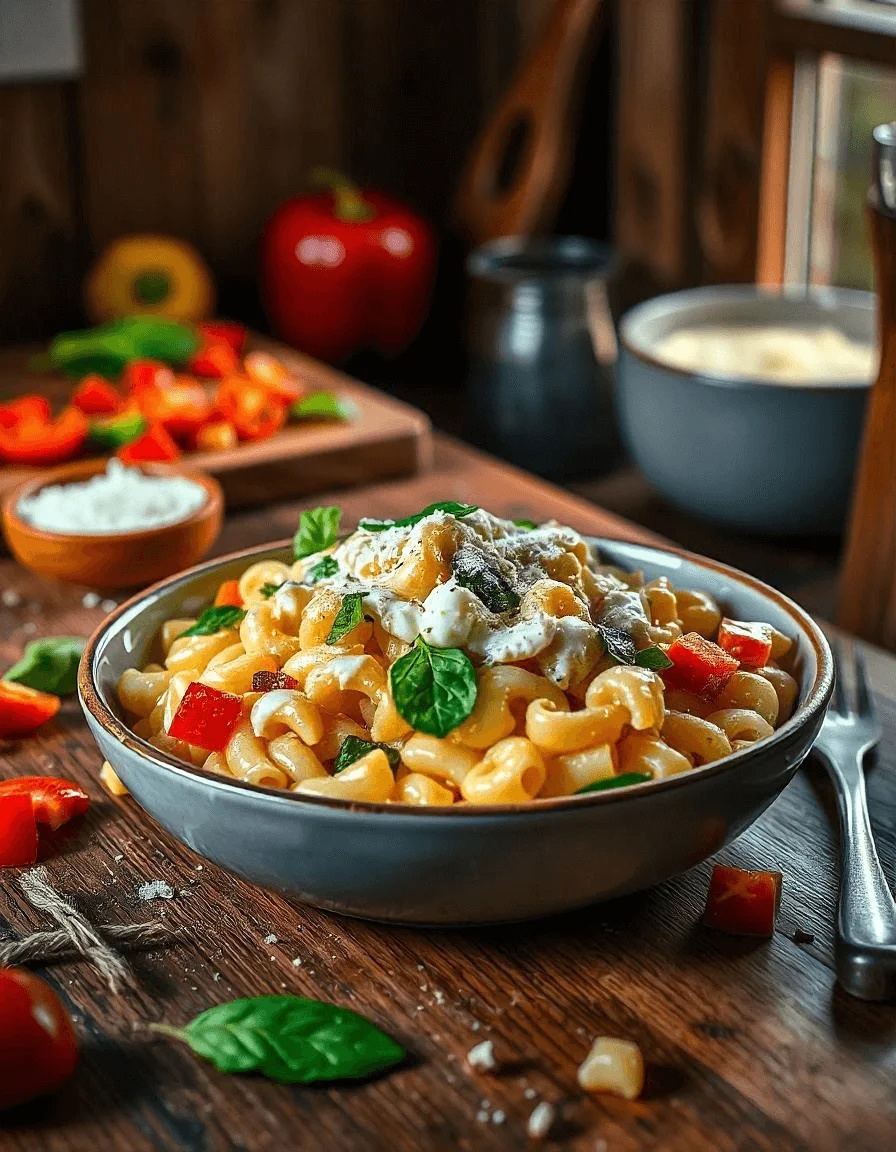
453 718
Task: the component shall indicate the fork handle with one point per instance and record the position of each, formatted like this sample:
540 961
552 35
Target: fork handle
866 922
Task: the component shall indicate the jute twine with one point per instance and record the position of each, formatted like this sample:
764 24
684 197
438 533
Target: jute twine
76 937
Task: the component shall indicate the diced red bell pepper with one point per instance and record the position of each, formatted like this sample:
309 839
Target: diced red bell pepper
273 375
140 375
55 801
224 332
18 832
272 681
251 409
750 642
33 408
216 436
35 442
181 409
95 396
23 709
742 901
229 594
154 445
206 717
214 361
698 665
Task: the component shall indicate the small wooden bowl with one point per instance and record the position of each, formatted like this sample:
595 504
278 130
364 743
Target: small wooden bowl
109 561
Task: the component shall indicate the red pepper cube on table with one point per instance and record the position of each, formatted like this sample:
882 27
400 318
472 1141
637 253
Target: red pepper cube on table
698 665
18 831
750 642
206 717
742 902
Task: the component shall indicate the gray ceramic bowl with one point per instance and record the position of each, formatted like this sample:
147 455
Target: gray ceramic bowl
464 865
754 455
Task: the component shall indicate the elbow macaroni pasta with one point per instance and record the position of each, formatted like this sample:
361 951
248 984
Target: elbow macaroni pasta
554 713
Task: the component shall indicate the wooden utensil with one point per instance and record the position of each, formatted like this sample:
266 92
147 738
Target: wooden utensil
520 164
868 584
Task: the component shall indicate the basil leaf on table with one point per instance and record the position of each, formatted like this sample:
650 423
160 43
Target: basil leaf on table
349 616
49 665
472 572
318 529
653 658
618 644
434 689
215 620
320 406
290 1039
323 569
353 748
615 782
449 506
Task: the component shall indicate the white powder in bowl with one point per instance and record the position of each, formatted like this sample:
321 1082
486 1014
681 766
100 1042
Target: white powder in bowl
118 500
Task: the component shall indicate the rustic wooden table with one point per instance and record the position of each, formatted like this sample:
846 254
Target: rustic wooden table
749 1044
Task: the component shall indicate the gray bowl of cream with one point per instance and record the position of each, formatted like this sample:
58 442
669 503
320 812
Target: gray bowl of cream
749 453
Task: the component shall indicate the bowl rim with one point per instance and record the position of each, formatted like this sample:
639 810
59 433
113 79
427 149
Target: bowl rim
816 701
70 473
827 297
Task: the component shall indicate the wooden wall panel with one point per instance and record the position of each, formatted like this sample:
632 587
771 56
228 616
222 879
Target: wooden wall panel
41 238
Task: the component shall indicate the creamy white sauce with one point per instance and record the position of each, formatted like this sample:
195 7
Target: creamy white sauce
346 668
623 608
399 617
266 706
449 615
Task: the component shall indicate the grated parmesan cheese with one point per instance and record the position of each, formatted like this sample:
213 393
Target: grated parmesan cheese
541 1120
118 500
155 890
481 1057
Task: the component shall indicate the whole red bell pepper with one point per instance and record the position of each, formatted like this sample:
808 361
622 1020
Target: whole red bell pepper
347 269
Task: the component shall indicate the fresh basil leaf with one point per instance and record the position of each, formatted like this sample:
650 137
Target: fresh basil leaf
320 406
268 590
449 506
472 571
289 1039
215 620
615 782
49 665
323 569
318 529
434 689
353 748
618 644
653 658
529 524
349 616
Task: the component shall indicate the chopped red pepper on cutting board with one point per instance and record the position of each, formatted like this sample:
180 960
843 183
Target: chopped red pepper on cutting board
24 709
34 408
742 901
142 374
95 396
698 665
154 445
217 436
206 717
272 374
750 642
214 361
229 593
38 441
180 409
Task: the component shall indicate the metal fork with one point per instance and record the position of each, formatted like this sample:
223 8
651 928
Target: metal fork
866 920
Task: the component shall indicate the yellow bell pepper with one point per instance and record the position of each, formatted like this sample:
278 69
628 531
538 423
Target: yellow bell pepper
156 275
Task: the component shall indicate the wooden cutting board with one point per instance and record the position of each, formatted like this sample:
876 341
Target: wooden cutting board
384 438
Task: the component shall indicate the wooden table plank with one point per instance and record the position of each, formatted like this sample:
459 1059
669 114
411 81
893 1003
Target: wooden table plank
749 1046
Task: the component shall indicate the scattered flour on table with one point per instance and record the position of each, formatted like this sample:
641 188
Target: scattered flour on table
270 938
10 598
155 890
90 599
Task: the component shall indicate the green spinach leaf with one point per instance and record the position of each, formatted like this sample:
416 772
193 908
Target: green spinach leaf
353 748
323 569
434 689
472 572
653 658
290 1039
618 644
318 529
268 590
449 506
349 616
615 782
528 524
215 620
49 665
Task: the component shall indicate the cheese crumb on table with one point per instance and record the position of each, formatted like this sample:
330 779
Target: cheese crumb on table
541 1120
110 781
121 499
155 890
614 1066
481 1057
